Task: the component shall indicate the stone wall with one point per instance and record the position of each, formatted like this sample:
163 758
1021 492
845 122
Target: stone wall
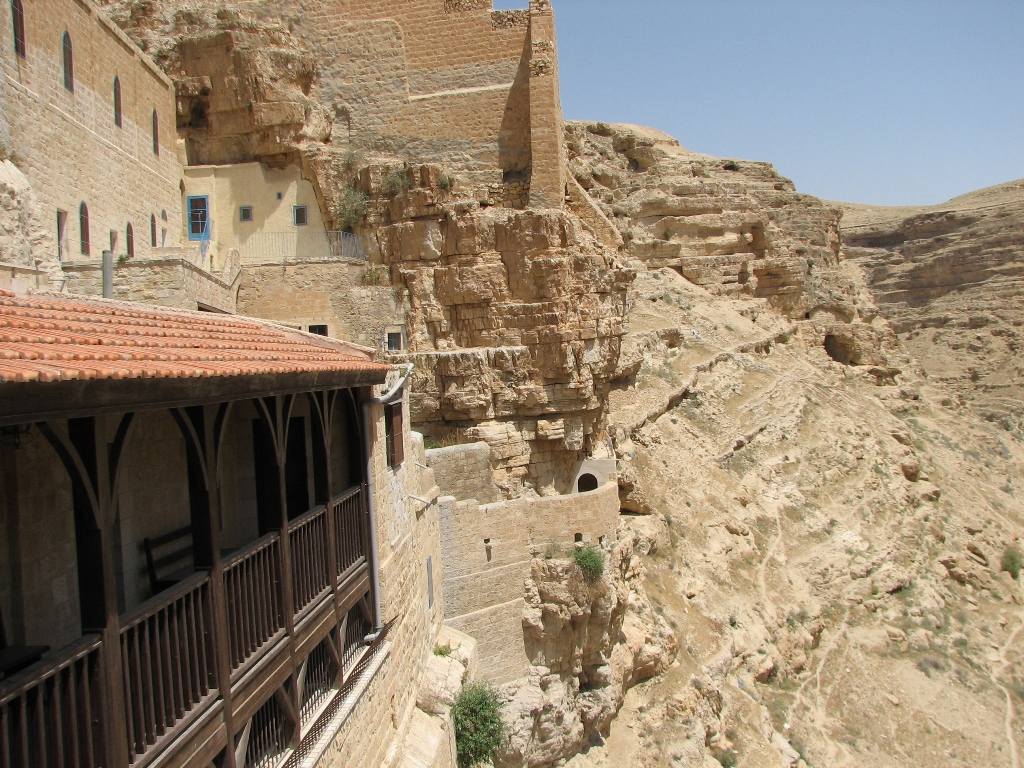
68 144
171 281
487 554
464 471
330 292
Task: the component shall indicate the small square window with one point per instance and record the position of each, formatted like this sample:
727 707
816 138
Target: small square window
300 215
319 330
395 341
245 213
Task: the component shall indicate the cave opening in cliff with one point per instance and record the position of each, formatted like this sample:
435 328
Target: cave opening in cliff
841 350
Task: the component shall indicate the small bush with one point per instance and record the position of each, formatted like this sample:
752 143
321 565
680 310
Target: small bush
376 274
351 208
726 757
443 650
479 731
1012 562
445 182
590 562
396 181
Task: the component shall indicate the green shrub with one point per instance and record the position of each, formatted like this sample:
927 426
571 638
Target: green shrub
396 181
1012 562
445 182
351 208
479 731
590 562
376 274
725 757
443 650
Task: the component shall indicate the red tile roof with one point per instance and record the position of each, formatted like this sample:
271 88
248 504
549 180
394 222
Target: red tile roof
57 338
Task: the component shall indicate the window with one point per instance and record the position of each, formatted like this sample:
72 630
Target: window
156 134
300 215
395 341
18 17
69 64
393 435
62 235
83 228
319 330
199 218
129 240
245 213
152 229
117 102
430 582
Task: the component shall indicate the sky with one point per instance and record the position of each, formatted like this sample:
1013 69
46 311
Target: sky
889 102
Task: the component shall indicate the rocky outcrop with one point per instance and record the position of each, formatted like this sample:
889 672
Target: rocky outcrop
949 277
588 644
514 321
25 240
734 227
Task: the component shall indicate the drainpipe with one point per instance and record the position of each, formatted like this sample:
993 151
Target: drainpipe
378 614
108 274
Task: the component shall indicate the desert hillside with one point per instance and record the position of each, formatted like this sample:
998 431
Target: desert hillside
834 535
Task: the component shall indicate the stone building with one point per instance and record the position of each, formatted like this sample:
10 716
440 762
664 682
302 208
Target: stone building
217 536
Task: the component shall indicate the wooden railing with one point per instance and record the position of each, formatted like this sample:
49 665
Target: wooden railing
252 583
350 529
50 717
311 575
167 661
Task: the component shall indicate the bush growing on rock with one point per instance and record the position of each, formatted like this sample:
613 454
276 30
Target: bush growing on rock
479 731
590 562
1012 562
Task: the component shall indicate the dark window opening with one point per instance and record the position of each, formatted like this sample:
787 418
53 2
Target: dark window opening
18 17
152 229
83 228
245 213
395 341
393 435
129 240
117 102
301 215
296 469
587 483
69 64
319 330
62 235
156 134
577 538
430 582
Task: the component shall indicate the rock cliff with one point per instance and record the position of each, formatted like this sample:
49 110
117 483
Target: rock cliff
950 278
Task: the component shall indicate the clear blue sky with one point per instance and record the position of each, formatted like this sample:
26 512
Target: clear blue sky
889 102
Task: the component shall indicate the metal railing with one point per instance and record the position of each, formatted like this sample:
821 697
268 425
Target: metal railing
52 717
300 244
254 604
167 661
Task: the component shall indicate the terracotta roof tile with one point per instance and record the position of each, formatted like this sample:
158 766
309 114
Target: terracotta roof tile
57 338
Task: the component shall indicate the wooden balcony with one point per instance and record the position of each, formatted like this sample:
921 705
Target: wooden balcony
283 621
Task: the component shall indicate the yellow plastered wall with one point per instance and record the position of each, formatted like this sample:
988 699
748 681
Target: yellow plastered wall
271 192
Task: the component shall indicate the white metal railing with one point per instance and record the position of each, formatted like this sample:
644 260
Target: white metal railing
299 245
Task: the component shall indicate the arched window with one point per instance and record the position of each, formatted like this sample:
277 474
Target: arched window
156 134
83 228
117 101
152 230
129 240
18 17
69 64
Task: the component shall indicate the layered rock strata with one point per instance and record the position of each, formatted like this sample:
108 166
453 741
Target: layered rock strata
950 277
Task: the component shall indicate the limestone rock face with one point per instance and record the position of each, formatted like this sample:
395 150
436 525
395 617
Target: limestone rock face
949 278
243 81
734 227
588 644
514 322
24 239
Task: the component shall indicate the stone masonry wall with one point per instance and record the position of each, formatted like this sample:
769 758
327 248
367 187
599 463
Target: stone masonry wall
68 144
487 553
464 471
